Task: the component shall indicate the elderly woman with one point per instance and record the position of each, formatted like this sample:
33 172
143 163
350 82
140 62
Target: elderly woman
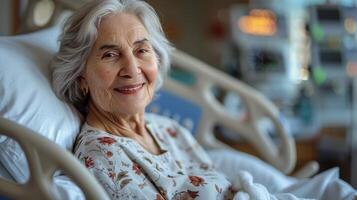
112 58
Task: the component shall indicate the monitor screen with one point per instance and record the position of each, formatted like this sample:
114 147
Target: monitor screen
267 61
333 57
328 14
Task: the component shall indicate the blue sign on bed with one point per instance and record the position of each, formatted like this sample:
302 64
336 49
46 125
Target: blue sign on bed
187 113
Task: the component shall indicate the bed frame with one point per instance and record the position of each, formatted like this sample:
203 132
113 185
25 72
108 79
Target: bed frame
44 159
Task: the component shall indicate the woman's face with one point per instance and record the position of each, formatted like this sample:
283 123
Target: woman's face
122 67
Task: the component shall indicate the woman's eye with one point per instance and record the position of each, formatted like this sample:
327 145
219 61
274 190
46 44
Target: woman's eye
143 51
109 55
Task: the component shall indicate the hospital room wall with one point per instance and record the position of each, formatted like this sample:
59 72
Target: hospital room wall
191 25
196 27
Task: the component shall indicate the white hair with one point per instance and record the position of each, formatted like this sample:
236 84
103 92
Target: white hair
79 35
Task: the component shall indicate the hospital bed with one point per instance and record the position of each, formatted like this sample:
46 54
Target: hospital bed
46 128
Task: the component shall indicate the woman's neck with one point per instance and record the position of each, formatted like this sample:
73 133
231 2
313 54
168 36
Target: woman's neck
128 126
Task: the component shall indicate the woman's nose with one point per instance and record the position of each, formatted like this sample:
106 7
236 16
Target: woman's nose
130 67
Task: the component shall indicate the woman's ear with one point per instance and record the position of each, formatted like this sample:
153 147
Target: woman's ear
83 85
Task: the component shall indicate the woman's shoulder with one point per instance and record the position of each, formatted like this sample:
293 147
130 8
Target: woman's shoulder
90 136
89 132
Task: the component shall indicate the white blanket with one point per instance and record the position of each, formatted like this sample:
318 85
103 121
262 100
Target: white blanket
248 190
257 180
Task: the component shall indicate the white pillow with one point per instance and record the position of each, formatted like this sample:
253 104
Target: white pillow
26 96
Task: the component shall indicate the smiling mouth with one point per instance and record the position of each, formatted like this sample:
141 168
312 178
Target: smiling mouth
129 89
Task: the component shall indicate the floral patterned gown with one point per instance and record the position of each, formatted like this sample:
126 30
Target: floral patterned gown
127 171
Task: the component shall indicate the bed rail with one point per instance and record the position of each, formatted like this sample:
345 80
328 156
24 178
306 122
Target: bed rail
45 158
258 107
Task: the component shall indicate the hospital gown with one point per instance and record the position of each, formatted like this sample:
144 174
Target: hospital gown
183 170
127 171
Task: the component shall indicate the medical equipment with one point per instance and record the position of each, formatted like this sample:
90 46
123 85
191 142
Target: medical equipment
261 36
36 49
333 60
273 54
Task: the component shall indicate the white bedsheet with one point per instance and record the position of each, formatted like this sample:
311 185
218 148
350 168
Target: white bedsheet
258 180
68 189
326 186
232 162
